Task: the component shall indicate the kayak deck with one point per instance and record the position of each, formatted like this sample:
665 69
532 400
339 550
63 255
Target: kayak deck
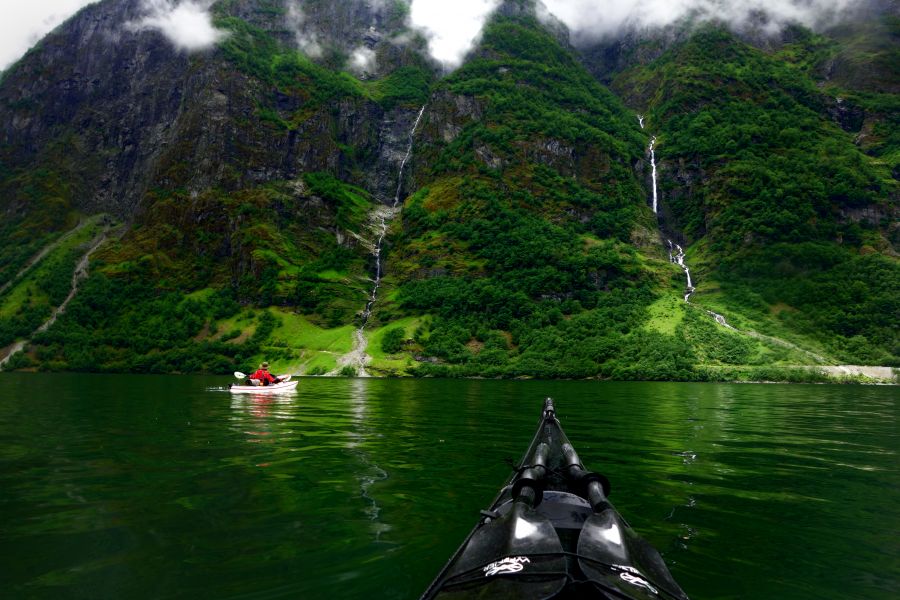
552 533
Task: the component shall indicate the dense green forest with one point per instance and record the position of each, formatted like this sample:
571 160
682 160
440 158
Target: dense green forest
770 184
533 270
525 246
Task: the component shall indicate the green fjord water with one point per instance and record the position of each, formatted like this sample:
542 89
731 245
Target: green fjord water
169 487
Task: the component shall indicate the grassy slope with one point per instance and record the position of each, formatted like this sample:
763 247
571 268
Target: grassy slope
29 299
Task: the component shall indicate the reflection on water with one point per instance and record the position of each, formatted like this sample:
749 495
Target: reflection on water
255 415
127 487
370 473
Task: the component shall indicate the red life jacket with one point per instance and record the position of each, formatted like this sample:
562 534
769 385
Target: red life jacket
263 376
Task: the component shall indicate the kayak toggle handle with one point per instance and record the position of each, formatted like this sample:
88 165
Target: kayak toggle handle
593 486
549 411
529 486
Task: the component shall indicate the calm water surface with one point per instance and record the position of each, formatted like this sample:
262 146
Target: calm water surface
169 487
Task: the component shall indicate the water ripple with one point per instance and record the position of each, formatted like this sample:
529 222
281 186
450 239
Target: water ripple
128 487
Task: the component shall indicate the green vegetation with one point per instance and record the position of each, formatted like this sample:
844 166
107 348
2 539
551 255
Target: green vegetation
855 299
772 186
47 196
352 203
168 298
29 300
526 248
127 325
407 86
519 245
392 342
267 244
776 169
259 55
289 72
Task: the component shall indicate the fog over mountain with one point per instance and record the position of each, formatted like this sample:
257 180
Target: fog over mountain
187 25
450 28
453 28
589 20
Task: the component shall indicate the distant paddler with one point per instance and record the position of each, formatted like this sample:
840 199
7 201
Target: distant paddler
263 376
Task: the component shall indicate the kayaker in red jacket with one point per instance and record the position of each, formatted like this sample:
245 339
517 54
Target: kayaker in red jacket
262 374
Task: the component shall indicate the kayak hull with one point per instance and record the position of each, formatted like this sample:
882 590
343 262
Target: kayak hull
552 533
275 388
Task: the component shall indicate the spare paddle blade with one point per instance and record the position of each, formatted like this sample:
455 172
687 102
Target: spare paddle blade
518 555
611 554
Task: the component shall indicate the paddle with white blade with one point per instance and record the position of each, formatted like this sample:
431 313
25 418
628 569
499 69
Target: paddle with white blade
239 375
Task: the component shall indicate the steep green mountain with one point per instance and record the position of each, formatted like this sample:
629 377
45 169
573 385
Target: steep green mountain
529 241
793 219
248 188
239 173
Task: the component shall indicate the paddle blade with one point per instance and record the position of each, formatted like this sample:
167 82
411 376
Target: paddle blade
613 555
239 375
516 556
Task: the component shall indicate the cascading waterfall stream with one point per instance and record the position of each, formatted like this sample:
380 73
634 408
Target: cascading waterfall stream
676 252
652 149
653 165
383 216
676 255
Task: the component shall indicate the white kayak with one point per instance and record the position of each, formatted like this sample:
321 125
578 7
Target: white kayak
286 385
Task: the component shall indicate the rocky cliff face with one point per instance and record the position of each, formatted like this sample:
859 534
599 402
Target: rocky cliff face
116 112
98 104
250 175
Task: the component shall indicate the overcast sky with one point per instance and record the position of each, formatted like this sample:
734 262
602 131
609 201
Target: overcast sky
452 26
25 22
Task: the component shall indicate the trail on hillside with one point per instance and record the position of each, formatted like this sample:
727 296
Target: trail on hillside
785 344
380 220
78 275
34 260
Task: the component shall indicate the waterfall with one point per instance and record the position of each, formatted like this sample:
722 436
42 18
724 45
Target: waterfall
652 150
720 319
676 255
653 164
382 216
409 148
676 252
385 217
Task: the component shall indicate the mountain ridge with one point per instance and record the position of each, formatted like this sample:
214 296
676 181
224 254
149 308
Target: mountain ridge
526 246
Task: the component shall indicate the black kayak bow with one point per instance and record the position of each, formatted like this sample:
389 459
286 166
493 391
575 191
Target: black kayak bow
552 533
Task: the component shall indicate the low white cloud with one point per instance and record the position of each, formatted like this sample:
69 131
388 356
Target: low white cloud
307 41
452 28
362 60
589 19
188 24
